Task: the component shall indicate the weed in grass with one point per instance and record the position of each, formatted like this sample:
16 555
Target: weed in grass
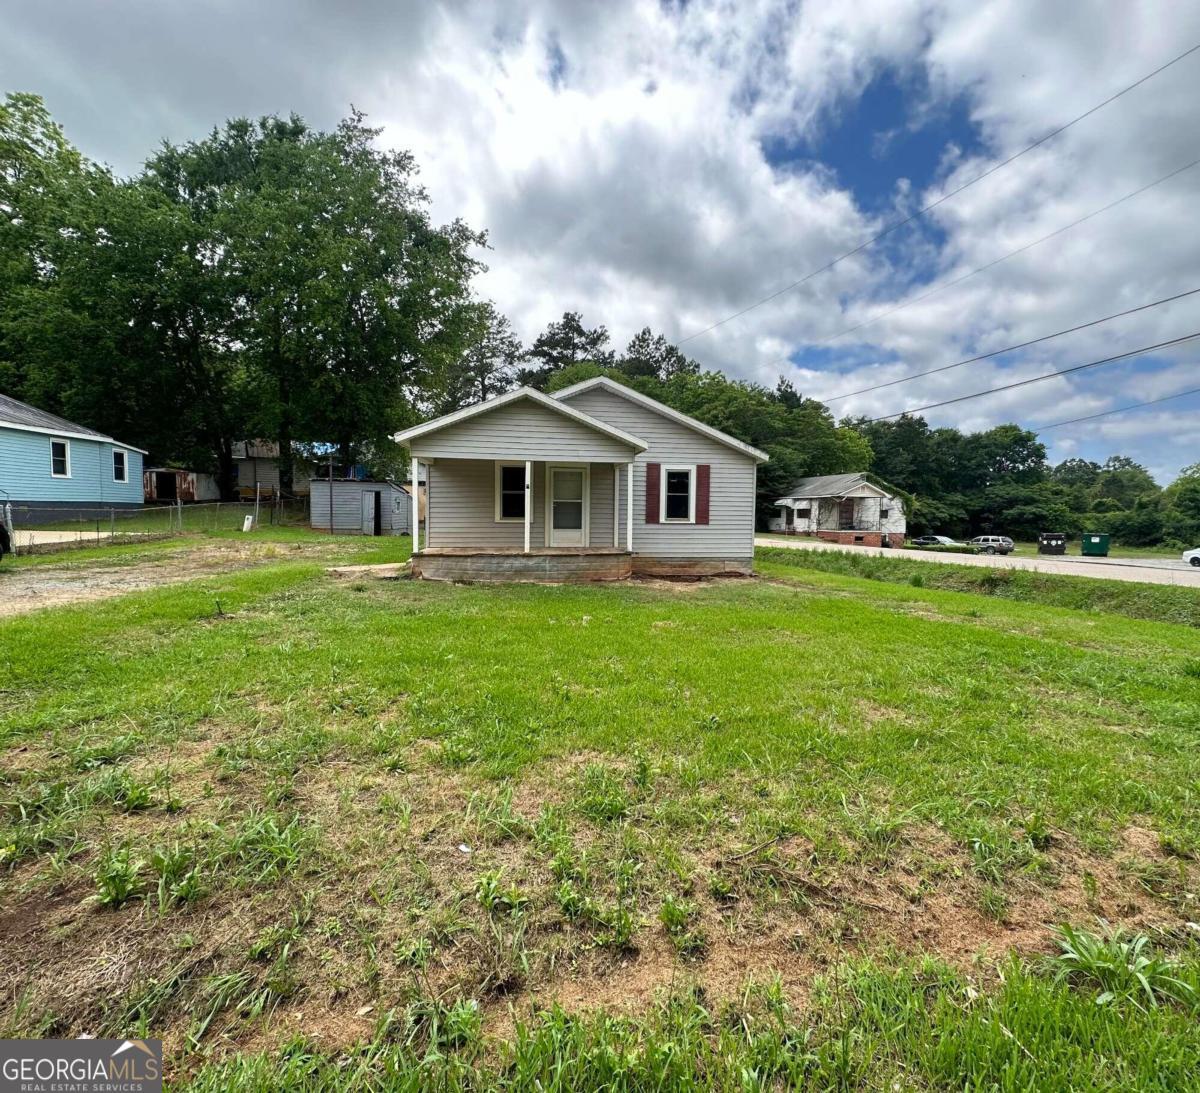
493 816
571 901
121 789
414 952
602 796
88 756
497 898
435 1026
117 876
264 847
994 903
456 752
1037 831
678 918
179 879
1122 966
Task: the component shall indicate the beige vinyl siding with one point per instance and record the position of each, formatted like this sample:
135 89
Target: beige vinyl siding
521 430
730 531
461 506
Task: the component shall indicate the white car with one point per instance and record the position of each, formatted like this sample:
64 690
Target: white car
1192 557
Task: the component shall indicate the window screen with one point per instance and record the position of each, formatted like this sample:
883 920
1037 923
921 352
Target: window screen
119 467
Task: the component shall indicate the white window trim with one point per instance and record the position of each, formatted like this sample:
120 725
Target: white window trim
508 519
124 465
66 444
662 493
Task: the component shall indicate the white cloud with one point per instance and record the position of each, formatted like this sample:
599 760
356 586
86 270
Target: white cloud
615 155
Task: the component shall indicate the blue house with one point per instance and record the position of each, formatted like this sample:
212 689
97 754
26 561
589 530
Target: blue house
50 467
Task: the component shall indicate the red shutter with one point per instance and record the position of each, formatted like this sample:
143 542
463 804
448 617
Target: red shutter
703 474
653 470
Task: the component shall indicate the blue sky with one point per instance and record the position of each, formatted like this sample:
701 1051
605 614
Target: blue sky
670 164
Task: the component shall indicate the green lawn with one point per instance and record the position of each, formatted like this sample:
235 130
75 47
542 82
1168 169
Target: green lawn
788 830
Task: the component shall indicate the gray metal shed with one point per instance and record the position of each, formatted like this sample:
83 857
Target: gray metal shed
360 507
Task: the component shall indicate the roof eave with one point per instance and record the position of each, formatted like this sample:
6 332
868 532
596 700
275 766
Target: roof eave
68 434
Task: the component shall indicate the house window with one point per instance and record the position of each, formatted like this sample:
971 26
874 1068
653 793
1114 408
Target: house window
804 514
120 469
510 491
678 501
884 513
60 459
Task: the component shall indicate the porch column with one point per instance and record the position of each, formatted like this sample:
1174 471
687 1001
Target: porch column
616 505
629 507
528 501
416 504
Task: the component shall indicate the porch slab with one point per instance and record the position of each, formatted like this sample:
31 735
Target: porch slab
545 565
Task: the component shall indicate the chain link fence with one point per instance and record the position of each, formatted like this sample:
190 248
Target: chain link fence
34 528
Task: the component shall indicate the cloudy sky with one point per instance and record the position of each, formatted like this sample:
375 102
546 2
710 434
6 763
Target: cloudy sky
670 164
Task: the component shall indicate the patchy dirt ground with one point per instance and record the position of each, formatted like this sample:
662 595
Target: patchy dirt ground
55 584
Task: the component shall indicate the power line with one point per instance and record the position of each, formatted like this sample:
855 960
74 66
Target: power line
1012 348
1037 379
945 197
1118 410
1003 258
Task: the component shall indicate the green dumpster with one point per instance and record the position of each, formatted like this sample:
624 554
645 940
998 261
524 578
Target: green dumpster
1095 544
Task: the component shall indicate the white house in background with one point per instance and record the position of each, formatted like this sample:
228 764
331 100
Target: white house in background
595 482
843 508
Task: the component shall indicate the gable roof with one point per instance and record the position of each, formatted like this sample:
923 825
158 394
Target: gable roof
18 415
666 411
837 485
517 395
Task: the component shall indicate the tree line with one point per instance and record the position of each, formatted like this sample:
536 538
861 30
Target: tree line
276 281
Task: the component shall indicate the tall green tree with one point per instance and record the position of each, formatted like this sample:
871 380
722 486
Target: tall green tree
650 355
485 365
561 344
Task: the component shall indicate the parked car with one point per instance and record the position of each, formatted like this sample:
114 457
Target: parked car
1192 557
935 540
994 544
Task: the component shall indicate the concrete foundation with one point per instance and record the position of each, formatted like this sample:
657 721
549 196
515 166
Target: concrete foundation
548 566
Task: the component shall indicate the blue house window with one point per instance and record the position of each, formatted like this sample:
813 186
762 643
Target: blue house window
60 459
120 471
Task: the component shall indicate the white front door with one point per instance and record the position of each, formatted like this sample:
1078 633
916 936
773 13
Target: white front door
568 502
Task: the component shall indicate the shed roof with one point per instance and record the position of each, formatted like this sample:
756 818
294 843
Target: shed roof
15 414
834 485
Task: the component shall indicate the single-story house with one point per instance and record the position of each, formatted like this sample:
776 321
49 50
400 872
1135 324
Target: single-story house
51 467
594 482
360 507
844 508
176 484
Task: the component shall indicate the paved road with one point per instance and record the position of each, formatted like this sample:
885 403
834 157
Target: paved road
1143 570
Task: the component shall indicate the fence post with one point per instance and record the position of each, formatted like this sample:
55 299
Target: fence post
112 526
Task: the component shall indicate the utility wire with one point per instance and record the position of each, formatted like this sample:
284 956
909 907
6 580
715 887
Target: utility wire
1012 348
1118 410
1037 379
945 197
1003 258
